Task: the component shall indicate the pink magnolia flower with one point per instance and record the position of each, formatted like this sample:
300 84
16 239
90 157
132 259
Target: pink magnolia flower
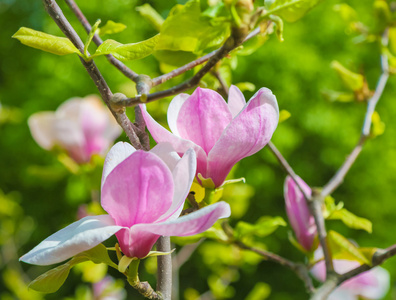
297 210
144 193
220 133
372 284
107 289
81 126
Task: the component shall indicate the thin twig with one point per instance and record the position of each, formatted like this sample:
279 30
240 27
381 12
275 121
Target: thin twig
161 79
300 269
98 41
315 206
57 15
331 283
338 178
164 271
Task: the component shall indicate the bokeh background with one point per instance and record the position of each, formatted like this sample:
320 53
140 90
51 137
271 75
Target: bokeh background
39 195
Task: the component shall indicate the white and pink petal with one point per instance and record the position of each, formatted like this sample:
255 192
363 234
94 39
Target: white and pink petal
71 240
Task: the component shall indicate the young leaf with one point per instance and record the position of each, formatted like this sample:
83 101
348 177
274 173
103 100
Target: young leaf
378 127
290 10
128 51
351 220
340 244
111 28
46 42
186 29
353 81
51 281
151 15
263 227
90 36
334 96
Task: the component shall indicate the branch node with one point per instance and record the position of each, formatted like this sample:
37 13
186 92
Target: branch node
115 102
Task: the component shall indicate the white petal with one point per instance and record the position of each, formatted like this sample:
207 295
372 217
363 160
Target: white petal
183 176
116 155
71 240
236 100
173 112
166 152
42 129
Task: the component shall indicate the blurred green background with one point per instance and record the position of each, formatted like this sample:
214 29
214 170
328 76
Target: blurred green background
38 195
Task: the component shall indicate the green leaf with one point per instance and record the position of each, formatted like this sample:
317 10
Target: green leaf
51 281
378 127
151 15
215 233
338 212
284 115
246 86
111 28
263 227
334 96
339 244
260 291
128 51
186 29
174 58
279 26
46 42
99 255
91 34
353 81
290 10
351 220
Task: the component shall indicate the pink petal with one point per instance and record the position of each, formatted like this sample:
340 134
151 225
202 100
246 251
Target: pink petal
183 176
161 135
118 153
71 240
236 100
173 111
138 190
41 126
248 133
191 224
301 220
203 117
139 239
168 155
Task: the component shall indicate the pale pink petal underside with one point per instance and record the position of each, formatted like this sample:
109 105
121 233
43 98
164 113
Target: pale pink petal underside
41 126
71 240
236 100
173 111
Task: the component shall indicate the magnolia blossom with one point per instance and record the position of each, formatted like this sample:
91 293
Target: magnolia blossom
144 193
81 126
301 220
372 284
107 289
220 133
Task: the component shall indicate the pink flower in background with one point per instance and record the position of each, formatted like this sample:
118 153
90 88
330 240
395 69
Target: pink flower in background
144 193
220 133
297 210
107 289
81 126
372 284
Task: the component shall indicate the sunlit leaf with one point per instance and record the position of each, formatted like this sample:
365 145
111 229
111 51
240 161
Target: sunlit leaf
127 51
51 281
111 27
340 244
151 15
46 42
91 34
263 227
378 127
353 81
260 291
186 29
246 86
351 220
284 115
334 96
290 10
